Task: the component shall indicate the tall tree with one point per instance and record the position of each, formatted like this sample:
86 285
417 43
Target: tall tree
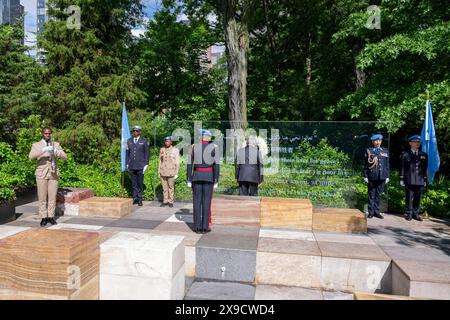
20 80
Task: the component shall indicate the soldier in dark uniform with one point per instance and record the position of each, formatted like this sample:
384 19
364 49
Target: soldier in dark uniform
137 160
203 177
376 174
249 168
413 176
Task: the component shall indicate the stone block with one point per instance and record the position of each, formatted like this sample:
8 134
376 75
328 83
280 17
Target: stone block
105 207
286 213
421 279
142 266
67 200
126 287
225 264
142 255
50 263
236 210
339 220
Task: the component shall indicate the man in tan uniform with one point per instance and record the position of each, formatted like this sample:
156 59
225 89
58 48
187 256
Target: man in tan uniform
46 152
169 163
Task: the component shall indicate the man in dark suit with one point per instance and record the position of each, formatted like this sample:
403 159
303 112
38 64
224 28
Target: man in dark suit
376 174
249 168
137 159
203 178
413 176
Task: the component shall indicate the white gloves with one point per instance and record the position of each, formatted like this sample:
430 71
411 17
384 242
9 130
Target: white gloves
145 168
47 149
176 177
387 180
189 184
366 180
402 183
216 186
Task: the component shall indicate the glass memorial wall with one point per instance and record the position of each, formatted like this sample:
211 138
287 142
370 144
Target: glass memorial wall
320 161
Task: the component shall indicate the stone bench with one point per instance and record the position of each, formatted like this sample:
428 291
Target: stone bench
67 200
50 264
105 207
142 266
339 220
286 213
236 211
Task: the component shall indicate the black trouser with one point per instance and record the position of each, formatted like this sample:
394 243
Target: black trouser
137 181
202 192
248 189
413 197
375 188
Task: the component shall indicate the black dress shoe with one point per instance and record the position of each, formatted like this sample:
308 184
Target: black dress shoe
197 230
370 216
379 216
417 218
44 222
170 205
52 221
140 203
207 231
408 218
135 201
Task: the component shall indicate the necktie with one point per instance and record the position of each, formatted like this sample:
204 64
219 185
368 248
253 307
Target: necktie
135 140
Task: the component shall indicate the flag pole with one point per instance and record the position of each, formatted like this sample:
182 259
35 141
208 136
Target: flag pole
425 214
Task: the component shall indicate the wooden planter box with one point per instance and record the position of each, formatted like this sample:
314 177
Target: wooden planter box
7 211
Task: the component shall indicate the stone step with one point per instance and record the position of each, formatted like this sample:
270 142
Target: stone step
213 290
339 220
323 261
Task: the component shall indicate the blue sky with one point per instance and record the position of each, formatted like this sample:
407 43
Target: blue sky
30 18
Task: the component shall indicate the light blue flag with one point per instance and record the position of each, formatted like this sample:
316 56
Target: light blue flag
125 136
430 144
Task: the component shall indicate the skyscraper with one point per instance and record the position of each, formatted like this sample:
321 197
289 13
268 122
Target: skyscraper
10 11
42 15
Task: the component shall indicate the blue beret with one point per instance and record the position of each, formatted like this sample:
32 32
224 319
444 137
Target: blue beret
415 138
205 132
137 128
377 137
168 138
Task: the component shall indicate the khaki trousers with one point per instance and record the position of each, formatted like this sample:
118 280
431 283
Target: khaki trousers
47 190
168 185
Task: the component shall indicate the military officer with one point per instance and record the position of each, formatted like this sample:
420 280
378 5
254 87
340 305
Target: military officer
249 168
413 176
376 174
46 152
169 162
203 178
137 160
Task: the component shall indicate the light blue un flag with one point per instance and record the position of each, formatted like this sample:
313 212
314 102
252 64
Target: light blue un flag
430 144
125 136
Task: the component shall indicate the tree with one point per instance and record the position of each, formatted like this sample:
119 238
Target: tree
174 70
20 79
90 70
